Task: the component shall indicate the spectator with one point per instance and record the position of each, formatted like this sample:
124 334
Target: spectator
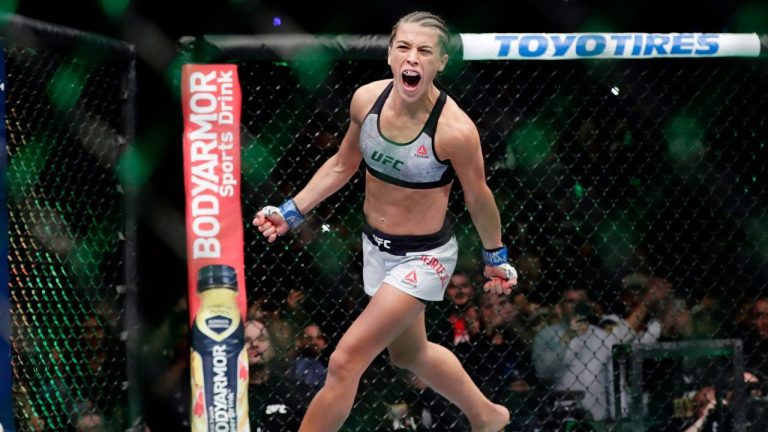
311 362
283 336
541 318
463 316
711 411
459 326
507 355
575 355
676 321
275 403
643 299
529 265
665 378
709 321
571 297
704 404
756 339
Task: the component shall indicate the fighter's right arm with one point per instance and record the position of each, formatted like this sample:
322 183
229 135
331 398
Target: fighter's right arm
329 178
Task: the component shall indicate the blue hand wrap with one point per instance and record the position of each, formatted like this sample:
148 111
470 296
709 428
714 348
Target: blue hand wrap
291 213
495 257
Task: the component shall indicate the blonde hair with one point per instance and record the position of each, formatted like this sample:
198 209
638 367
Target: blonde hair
426 19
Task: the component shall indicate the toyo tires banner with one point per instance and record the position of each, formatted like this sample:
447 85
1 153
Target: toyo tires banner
572 46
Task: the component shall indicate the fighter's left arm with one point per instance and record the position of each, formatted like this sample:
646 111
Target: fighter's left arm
461 145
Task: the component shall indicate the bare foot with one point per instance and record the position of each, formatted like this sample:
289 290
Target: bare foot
495 421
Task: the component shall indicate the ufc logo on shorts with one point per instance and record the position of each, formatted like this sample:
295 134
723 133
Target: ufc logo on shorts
380 242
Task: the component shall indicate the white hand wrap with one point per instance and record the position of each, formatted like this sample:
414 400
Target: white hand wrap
509 271
270 210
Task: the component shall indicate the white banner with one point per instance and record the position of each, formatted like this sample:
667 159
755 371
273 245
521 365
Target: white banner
569 46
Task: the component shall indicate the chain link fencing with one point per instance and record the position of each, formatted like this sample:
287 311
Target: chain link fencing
632 198
69 111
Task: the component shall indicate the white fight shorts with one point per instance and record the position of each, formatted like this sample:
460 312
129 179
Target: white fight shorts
420 266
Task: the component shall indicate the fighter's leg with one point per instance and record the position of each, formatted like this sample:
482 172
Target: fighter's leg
389 312
440 369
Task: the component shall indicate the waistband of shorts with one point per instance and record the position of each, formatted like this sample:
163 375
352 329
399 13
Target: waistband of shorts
403 244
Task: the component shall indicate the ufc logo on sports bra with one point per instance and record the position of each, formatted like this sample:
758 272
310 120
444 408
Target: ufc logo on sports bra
380 242
386 159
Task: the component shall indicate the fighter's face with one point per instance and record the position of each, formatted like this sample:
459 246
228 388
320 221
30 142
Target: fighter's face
415 57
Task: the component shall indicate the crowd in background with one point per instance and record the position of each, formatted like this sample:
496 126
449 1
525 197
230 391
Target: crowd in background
548 362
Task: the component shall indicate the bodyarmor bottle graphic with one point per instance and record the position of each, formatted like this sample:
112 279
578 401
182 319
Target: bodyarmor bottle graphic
219 362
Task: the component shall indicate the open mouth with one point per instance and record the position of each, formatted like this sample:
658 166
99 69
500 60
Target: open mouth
411 79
